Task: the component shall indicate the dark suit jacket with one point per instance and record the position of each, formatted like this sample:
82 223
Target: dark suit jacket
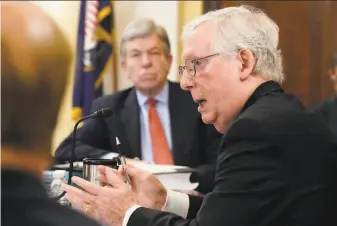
277 167
24 202
328 111
194 143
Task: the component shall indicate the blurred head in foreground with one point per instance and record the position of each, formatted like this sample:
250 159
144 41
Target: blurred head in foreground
35 62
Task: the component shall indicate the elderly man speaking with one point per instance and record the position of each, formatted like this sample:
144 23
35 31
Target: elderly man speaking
277 162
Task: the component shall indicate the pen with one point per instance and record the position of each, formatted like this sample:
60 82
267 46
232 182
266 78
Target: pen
123 162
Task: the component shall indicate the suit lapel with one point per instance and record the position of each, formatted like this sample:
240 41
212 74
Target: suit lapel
130 119
180 121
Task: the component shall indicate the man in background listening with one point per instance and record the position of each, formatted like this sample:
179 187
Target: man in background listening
156 121
35 61
328 108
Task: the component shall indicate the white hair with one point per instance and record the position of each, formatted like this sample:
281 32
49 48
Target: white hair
245 27
144 27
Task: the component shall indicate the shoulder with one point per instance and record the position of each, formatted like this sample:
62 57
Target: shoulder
174 87
283 118
276 110
331 99
269 117
178 94
43 211
112 101
243 133
326 104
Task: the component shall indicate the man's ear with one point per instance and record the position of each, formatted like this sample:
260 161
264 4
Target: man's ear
169 60
248 61
123 64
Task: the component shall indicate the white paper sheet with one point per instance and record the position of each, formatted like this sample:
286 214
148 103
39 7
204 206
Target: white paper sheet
172 177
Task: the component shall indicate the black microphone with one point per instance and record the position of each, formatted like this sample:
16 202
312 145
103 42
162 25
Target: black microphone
104 113
100 114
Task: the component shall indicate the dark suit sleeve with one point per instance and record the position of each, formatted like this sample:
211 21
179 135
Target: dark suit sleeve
195 204
245 180
206 171
322 109
92 140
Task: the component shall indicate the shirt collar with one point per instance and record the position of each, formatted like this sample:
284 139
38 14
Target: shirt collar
264 89
161 97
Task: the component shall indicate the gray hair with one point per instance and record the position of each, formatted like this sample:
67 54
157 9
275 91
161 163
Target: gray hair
246 27
142 28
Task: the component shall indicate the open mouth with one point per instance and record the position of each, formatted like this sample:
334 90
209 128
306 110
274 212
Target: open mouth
201 102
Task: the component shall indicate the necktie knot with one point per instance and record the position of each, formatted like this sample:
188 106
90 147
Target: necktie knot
151 102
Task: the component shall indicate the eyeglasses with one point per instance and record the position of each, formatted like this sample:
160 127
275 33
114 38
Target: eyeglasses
192 65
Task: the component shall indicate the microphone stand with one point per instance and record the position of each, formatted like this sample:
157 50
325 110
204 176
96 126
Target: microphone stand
71 166
102 113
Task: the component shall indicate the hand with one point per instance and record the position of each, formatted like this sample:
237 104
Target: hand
149 191
105 204
192 192
135 160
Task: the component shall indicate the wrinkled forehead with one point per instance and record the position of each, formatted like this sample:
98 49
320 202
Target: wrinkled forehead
199 42
145 43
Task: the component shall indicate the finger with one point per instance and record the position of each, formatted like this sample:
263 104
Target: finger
101 169
103 178
134 171
114 178
76 202
86 185
77 193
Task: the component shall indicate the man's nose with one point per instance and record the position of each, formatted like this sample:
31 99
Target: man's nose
187 81
146 60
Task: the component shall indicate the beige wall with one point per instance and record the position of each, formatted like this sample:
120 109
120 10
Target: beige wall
66 15
187 10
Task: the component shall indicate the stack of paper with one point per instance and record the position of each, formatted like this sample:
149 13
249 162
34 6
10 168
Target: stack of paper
172 177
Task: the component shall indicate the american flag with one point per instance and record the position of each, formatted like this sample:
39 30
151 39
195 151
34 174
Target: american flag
94 54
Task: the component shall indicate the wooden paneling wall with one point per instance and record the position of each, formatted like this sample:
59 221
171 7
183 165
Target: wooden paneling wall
308 37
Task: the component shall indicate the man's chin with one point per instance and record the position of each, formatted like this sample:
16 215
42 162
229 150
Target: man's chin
207 118
150 88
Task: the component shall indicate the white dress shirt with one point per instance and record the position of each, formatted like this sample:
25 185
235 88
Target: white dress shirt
162 107
176 202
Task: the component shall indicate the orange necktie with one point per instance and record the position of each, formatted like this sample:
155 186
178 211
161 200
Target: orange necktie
160 148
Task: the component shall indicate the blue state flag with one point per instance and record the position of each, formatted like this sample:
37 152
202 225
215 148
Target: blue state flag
94 56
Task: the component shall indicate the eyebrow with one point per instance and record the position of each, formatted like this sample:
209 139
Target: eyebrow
190 57
185 56
151 49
